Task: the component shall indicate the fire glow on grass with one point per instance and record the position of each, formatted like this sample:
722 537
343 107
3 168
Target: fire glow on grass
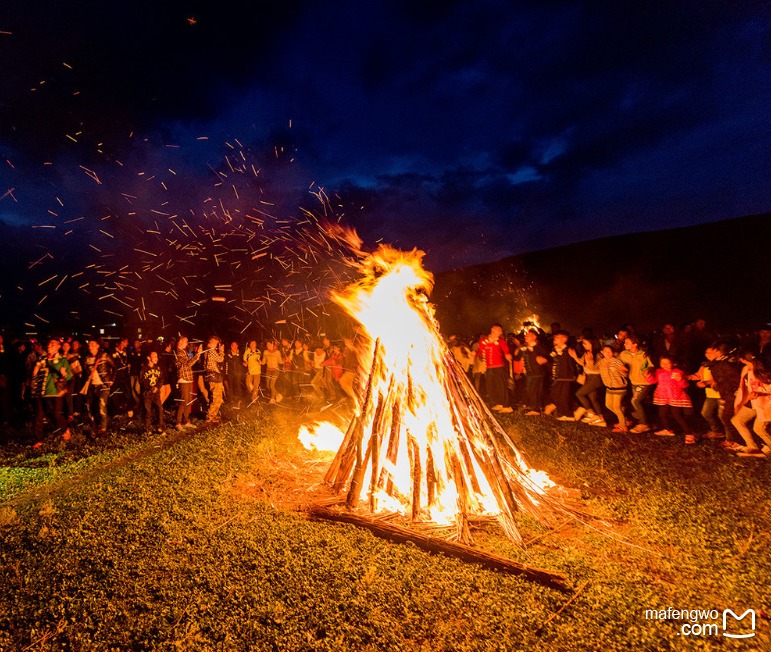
422 442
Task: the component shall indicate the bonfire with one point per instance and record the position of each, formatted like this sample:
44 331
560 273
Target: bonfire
422 443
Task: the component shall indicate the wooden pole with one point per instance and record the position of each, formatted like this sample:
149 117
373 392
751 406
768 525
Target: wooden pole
466 553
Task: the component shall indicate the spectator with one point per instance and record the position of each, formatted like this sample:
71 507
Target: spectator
273 361
235 373
253 362
534 355
152 376
588 395
495 351
641 378
753 402
672 399
214 358
614 374
184 363
563 375
99 371
52 374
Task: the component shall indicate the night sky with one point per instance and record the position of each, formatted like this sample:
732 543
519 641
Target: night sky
472 130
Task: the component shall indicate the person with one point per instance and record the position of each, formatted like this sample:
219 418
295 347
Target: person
762 347
333 371
122 394
672 400
52 373
214 358
495 351
350 365
99 372
640 377
235 373
588 395
253 363
753 402
272 359
667 342
72 355
478 369
462 354
135 362
563 375
184 363
152 377
710 409
284 383
297 360
534 356
318 383
726 373
614 374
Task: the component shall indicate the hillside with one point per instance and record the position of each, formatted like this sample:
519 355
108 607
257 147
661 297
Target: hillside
717 271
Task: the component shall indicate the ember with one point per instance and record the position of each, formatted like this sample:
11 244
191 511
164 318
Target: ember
422 442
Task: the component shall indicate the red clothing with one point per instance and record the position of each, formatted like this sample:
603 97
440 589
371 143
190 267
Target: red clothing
335 364
671 391
494 353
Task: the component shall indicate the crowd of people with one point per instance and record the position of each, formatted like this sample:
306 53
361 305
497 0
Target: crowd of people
55 387
690 382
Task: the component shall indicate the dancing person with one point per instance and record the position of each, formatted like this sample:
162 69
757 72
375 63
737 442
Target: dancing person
672 400
615 377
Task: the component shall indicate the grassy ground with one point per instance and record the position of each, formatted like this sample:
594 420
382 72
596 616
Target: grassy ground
198 541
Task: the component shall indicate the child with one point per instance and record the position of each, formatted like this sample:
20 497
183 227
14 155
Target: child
672 399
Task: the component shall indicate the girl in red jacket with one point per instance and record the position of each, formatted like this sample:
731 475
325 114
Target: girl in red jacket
672 399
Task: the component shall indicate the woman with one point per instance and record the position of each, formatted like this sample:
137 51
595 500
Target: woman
588 395
671 398
272 359
753 401
615 377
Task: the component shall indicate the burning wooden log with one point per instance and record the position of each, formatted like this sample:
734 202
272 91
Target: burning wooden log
399 534
422 441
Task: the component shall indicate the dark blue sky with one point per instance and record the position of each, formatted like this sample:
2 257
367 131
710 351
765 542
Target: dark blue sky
472 130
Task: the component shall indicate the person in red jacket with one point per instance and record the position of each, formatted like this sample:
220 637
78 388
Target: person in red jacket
495 351
672 399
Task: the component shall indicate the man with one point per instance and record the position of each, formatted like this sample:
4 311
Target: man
495 351
53 373
184 363
563 368
122 395
641 379
234 374
535 364
152 377
99 372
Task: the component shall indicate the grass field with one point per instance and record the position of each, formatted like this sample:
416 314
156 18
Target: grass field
199 542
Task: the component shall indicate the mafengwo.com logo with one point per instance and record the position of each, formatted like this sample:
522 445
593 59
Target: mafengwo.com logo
708 622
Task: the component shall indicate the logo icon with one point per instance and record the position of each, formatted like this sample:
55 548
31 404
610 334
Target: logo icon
751 613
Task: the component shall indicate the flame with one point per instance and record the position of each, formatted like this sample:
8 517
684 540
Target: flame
323 436
425 444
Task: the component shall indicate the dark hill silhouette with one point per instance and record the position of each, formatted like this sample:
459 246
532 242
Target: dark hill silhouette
719 271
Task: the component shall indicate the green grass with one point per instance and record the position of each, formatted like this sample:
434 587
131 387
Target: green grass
191 543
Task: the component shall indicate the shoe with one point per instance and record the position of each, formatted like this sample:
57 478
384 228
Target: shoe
506 410
714 434
180 426
640 428
533 413
497 407
549 409
601 423
66 435
690 439
564 418
619 428
579 414
664 433
189 424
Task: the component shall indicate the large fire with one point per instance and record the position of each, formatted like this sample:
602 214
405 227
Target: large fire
422 442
